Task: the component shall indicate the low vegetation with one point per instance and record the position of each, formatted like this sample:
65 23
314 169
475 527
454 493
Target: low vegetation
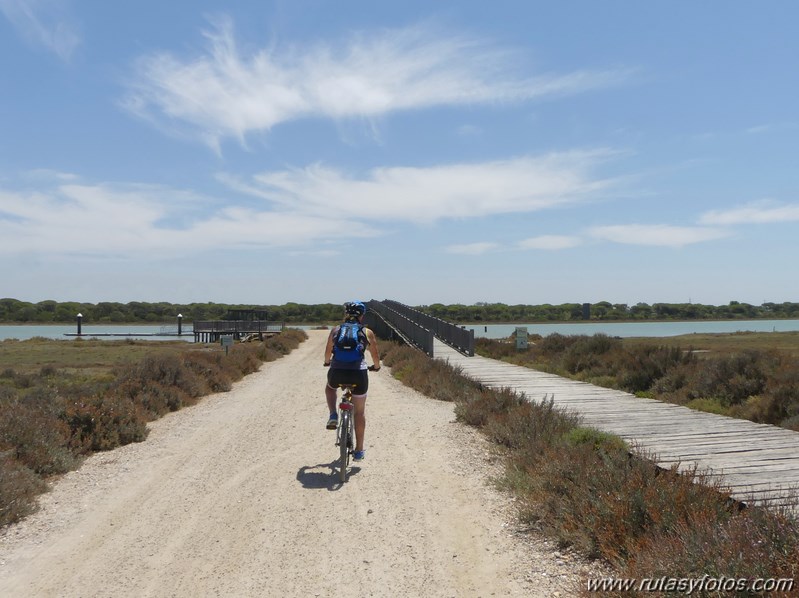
591 492
95 395
748 376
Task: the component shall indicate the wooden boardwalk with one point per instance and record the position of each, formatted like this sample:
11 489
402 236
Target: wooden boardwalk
759 463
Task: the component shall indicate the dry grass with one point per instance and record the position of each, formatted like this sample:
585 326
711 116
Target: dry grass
752 376
54 411
784 342
591 492
85 356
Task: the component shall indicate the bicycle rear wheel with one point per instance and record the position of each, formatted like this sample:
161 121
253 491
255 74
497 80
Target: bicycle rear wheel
344 442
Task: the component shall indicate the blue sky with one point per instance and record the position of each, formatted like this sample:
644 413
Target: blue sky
534 152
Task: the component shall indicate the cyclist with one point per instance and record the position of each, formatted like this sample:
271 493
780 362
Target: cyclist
351 369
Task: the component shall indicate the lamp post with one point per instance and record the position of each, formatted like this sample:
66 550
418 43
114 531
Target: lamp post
180 324
80 320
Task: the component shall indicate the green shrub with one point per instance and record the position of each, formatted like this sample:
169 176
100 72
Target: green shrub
730 379
781 395
640 370
498 350
555 344
480 407
267 354
19 487
585 352
286 341
754 544
32 426
434 378
708 406
240 361
166 370
599 441
212 368
153 397
791 423
102 423
47 371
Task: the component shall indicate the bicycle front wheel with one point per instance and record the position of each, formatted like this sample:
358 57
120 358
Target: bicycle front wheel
344 441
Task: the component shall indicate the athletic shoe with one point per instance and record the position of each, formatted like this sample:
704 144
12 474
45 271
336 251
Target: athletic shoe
358 455
332 423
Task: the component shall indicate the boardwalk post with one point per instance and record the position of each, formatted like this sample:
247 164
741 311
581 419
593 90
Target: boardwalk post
80 319
180 324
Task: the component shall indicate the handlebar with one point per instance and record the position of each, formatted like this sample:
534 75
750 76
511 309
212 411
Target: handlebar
371 368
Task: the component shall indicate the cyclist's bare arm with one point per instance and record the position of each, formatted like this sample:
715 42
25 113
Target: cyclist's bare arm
329 348
373 351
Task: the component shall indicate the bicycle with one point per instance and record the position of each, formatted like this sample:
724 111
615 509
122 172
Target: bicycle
345 433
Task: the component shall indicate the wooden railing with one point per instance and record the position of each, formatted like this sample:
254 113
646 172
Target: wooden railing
419 328
212 330
409 331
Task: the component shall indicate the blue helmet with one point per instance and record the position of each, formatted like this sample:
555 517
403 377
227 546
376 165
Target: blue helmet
354 308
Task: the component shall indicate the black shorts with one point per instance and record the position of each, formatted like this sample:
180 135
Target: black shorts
360 378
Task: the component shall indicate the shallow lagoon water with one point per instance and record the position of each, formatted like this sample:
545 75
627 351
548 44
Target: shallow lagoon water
621 329
637 329
67 331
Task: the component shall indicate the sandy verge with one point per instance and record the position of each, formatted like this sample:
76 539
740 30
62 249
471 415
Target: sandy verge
237 496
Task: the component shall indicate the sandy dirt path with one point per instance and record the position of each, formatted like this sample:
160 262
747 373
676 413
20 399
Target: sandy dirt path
237 496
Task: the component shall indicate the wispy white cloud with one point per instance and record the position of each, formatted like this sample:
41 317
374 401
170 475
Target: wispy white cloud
46 175
472 248
759 129
317 253
550 242
658 234
44 23
425 195
469 131
760 212
772 127
226 94
302 209
149 222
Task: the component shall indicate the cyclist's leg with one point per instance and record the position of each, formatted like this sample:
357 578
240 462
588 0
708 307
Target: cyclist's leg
331 395
359 402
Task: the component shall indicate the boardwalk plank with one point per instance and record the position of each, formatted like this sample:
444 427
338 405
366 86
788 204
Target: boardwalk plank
757 462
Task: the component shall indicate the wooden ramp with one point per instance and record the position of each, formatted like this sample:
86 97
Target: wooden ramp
759 463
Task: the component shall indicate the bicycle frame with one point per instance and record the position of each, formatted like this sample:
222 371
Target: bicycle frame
345 434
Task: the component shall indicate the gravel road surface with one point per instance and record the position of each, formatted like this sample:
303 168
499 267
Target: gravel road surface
237 496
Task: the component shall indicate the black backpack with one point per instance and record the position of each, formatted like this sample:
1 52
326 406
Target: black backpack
350 343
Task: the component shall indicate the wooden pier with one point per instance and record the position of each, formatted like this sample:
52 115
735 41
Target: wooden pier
758 463
212 331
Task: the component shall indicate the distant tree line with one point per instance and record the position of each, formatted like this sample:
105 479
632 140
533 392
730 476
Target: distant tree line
606 311
43 312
